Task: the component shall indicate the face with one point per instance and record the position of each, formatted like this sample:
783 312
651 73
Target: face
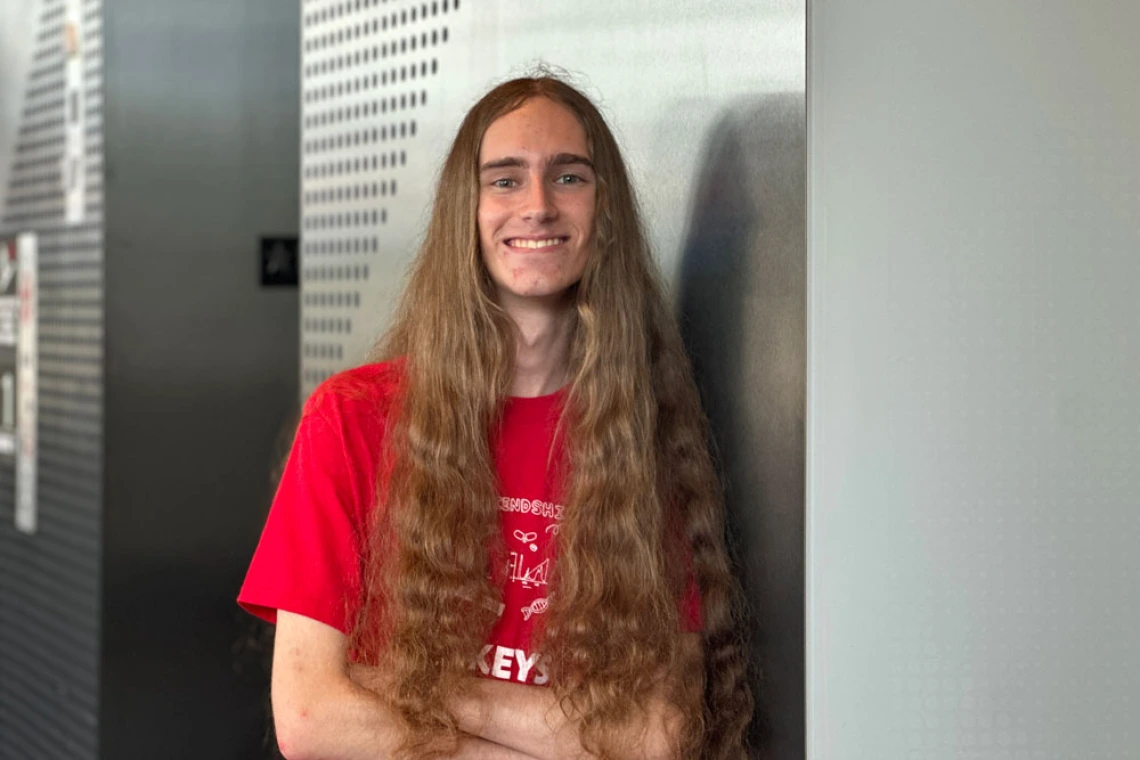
536 202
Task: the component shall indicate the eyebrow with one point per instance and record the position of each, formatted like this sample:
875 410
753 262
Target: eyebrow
560 159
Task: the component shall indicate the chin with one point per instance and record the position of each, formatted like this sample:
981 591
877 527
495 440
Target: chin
538 292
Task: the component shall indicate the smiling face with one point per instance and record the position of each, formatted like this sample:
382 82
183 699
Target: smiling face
536 202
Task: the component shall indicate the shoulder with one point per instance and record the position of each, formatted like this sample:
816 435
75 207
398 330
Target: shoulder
365 392
346 422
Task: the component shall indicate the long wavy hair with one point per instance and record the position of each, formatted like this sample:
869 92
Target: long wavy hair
641 490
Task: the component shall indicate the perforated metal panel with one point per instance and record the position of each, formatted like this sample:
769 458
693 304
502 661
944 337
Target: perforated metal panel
49 581
369 69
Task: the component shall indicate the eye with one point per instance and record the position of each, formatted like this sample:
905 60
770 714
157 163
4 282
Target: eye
503 183
570 179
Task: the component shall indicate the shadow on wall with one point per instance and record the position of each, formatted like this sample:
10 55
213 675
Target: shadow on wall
741 296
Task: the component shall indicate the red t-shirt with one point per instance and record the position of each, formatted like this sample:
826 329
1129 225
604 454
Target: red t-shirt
309 558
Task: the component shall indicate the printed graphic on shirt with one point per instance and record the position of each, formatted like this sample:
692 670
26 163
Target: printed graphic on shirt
529 527
529 564
531 507
537 607
530 576
509 664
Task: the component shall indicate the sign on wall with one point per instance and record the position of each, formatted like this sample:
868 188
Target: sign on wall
27 367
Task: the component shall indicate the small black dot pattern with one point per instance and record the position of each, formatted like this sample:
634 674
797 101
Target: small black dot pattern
368 68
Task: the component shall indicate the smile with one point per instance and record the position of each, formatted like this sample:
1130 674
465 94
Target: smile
535 244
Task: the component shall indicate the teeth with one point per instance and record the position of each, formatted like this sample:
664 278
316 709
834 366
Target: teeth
517 243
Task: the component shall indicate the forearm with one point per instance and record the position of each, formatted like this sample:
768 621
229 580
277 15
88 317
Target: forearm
348 722
475 748
341 721
529 719
325 708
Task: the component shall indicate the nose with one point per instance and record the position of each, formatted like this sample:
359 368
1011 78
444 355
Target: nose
538 203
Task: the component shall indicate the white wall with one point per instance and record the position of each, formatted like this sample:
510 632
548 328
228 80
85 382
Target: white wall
974 425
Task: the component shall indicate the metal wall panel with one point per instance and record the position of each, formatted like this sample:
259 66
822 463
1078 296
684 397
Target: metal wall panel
707 99
49 582
974 404
201 366
118 633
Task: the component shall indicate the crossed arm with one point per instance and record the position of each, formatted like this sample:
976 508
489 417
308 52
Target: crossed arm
322 712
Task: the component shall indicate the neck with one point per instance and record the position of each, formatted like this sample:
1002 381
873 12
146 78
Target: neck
542 340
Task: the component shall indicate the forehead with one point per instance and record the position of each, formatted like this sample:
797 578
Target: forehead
539 127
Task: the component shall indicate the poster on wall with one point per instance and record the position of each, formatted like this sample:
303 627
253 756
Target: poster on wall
27 368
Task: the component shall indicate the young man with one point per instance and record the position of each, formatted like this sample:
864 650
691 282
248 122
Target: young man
505 538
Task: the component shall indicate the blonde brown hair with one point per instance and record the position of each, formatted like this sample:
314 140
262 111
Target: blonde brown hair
641 488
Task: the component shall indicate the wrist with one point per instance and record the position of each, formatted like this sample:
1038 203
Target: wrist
468 707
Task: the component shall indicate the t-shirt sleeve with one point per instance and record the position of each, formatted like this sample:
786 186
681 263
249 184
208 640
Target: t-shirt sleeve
308 559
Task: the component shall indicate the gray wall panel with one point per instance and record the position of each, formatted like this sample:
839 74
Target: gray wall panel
975 415
741 296
201 118
50 601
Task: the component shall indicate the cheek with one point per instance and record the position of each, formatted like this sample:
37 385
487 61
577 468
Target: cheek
488 219
483 222
586 219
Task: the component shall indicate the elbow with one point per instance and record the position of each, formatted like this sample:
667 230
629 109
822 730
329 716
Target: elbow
300 720
330 722
297 732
